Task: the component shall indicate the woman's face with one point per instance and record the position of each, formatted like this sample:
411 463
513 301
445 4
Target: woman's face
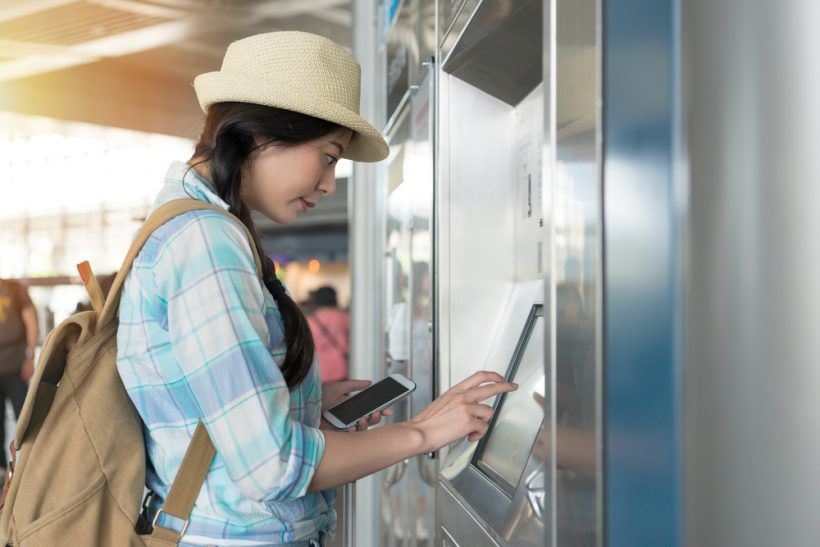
283 181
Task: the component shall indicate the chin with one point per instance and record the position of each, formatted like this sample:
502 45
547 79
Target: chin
284 220
280 217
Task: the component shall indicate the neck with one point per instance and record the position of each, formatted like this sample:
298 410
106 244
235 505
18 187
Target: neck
203 169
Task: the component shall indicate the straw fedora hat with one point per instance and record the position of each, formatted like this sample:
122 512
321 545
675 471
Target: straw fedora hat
295 71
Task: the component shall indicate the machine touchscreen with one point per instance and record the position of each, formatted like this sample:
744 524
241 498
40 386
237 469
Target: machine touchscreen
504 451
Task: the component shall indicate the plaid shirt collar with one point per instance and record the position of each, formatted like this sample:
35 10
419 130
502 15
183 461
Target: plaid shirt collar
183 181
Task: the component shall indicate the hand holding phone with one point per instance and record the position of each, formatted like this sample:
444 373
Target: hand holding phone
378 396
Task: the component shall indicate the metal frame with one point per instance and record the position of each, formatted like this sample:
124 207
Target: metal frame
366 209
506 487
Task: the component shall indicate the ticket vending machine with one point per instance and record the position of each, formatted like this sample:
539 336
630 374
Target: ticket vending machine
494 248
489 247
518 267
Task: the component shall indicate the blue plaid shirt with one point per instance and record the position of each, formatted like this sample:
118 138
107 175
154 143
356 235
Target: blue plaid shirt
200 337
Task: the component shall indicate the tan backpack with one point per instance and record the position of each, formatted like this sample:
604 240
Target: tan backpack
77 473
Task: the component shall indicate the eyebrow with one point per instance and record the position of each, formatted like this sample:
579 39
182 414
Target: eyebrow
341 148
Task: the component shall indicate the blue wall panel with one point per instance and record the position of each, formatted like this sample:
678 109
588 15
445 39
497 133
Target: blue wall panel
642 444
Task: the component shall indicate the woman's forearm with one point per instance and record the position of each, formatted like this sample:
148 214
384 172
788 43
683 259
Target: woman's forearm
353 455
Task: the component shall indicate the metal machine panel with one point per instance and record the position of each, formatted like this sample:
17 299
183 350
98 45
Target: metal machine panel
508 498
481 226
407 487
491 245
499 50
530 231
462 529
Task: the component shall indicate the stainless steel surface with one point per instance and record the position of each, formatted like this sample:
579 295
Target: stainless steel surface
492 262
480 203
576 195
402 56
427 32
499 50
753 299
461 526
366 208
547 158
419 179
454 23
408 497
513 514
447 12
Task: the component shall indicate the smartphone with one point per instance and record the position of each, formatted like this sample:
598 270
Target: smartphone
377 396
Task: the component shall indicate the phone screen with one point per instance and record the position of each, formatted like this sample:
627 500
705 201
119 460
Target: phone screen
367 400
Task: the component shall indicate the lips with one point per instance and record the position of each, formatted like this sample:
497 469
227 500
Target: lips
306 204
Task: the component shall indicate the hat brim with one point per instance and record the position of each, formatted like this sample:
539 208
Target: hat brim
367 144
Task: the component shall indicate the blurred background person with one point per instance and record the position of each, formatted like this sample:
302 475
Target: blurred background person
19 334
331 330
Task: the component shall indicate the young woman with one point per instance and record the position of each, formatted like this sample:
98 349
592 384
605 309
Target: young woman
200 338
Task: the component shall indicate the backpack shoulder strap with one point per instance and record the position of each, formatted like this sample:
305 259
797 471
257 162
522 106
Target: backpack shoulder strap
160 216
187 484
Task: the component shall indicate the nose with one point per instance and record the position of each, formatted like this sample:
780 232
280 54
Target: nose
327 184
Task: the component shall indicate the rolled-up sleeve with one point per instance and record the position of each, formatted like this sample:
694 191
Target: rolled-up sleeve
214 303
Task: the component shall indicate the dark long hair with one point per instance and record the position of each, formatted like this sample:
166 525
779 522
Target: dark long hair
228 139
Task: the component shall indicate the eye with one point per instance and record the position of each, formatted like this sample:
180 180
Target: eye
331 160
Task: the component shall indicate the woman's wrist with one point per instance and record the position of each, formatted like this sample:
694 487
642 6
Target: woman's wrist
415 436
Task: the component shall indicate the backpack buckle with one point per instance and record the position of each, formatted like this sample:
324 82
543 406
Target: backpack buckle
142 525
184 525
10 470
9 473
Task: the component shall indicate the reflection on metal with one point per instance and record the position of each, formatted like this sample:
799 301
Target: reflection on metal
402 53
536 492
752 287
576 227
499 51
448 9
393 475
407 494
427 470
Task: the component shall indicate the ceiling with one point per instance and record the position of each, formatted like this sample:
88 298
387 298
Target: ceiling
131 63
